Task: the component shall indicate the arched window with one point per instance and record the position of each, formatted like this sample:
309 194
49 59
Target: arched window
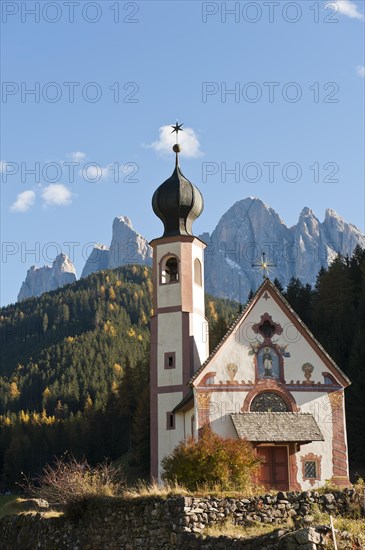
198 272
268 402
170 270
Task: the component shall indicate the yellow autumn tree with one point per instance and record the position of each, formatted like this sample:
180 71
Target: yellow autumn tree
14 392
88 404
46 393
118 370
24 417
111 293
212 310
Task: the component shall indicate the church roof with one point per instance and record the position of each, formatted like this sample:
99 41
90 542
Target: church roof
276 426
303 329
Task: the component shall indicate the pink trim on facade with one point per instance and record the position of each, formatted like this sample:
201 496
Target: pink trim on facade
153 398
310 457
170 357
170 420
339 448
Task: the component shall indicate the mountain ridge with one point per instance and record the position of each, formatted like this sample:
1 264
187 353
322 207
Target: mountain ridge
246 230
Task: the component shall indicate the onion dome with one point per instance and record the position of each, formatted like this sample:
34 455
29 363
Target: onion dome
177 202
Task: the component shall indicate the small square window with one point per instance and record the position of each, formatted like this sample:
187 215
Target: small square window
170 360
310 469
170 421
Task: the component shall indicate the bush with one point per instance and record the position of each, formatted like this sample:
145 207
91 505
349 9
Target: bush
212 461
68 481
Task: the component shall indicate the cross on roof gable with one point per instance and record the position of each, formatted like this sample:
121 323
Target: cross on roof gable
268 290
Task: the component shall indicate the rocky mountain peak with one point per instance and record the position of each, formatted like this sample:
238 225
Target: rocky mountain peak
63 264
247 229
123 220
127 247
306 212
251 227
46 278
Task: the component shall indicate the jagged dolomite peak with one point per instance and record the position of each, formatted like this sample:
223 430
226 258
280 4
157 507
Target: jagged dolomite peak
46 278
250 227
126 247
97 260
247 229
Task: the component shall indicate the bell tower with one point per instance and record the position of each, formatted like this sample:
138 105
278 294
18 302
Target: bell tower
179 330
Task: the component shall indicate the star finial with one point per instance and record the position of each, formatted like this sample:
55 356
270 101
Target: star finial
177 147
264 265
177 128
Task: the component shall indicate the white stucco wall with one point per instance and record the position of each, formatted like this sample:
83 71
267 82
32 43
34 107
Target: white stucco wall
222 404
169 339
198 290
187 421
198 329
168 439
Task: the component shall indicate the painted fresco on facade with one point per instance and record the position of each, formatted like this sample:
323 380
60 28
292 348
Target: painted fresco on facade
268 363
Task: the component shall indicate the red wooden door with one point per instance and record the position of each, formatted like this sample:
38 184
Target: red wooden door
274 471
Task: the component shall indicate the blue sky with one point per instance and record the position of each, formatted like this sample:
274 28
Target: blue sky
296 75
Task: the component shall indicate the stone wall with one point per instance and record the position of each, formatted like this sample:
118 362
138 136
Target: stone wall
176 522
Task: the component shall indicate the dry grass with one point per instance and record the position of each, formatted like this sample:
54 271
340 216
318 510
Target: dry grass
356 527
67 481
16 506
255 529
144 489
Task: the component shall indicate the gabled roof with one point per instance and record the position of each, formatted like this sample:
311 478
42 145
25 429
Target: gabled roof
276 426
267 285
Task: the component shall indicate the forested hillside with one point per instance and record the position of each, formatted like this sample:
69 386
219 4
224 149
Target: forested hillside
75 371
75 363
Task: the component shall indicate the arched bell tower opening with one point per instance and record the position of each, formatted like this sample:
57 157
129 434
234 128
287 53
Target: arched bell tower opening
179 335
169 269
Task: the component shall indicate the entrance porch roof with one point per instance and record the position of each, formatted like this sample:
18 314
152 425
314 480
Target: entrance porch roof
277 427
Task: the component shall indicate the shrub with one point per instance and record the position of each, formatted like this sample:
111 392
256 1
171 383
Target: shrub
211 461
68 481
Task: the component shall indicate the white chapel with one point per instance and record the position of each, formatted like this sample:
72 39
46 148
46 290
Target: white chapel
268 380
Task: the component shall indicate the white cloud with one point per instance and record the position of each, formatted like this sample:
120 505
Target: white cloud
23 202
360 69
348 8
188 139
56 194
77 156
94 172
